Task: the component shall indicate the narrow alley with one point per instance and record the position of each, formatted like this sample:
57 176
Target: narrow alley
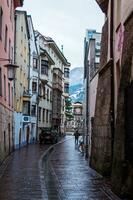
65 175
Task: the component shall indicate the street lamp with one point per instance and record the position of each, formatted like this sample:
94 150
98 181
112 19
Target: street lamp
10 68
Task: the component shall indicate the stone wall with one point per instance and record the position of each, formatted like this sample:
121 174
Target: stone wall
101 151
122 172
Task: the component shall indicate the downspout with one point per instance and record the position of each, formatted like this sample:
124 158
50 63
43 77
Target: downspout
112 75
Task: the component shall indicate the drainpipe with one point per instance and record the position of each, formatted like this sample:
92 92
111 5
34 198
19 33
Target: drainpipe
112 73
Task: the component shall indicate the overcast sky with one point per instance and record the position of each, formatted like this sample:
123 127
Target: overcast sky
66 21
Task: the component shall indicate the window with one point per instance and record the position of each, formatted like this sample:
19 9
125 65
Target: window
8 2
63 104
40 90
33 110
6 33
12 96
43 115
35 62
5 87
66 88
26 107
66 72
22 28
9 94
9 51
44 91
50 116
44 67
34 86
11 11
1 20
47 116
48 94
39 113
0 82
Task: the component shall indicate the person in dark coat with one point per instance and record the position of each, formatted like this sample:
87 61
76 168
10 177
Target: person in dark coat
76 134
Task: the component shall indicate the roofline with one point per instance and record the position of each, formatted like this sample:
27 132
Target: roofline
52 43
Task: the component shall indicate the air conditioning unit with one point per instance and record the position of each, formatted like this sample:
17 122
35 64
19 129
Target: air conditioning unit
26 119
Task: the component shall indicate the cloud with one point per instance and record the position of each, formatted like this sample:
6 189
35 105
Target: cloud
66 21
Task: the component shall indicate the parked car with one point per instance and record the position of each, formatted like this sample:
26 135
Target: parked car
48 136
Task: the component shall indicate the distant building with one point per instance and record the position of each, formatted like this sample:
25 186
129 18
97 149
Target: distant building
7 9
92 45
77 122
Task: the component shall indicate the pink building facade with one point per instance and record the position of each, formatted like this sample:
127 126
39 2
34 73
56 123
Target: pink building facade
7 8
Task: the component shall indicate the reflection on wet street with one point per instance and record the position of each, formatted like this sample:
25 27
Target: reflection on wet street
68 176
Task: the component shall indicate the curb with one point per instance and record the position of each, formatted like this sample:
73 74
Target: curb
43 159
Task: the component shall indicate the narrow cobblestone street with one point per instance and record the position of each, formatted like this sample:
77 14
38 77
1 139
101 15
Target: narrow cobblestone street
66 175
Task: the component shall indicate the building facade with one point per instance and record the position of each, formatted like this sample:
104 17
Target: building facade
21 86
45 90
33 80
6 86
77 123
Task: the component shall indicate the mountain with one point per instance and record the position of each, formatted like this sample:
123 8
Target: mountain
76 84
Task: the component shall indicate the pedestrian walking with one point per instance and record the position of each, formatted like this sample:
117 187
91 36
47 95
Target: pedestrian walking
76 134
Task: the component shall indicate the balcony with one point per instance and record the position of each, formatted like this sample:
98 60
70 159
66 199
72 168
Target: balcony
57 72
44 78
26 96
103 4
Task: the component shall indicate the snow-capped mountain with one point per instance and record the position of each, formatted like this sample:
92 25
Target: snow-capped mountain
76 84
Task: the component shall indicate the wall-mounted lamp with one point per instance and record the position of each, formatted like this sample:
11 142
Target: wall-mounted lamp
10 68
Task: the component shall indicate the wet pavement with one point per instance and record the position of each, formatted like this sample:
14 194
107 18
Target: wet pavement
21 179
68 176
65 175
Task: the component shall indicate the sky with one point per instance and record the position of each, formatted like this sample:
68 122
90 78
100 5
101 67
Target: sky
66 21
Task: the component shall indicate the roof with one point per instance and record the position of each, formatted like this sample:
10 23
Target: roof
103 4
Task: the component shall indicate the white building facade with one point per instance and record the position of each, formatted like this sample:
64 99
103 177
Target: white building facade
33 80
